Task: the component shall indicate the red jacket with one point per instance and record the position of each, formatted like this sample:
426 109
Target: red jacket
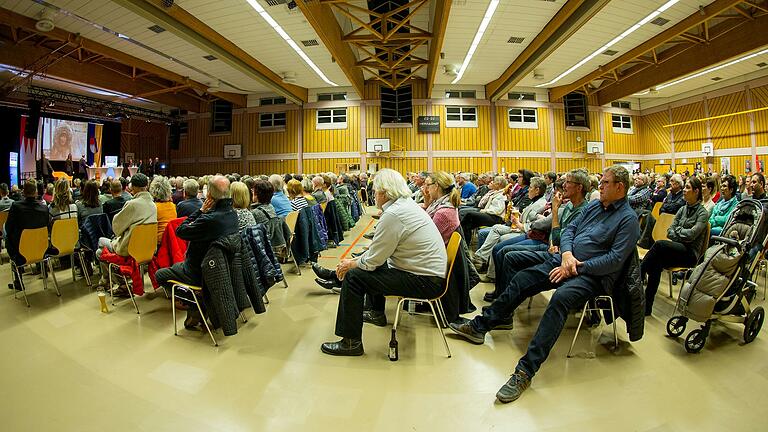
128 268
172 250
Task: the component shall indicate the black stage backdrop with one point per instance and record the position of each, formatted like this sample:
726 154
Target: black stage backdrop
10 123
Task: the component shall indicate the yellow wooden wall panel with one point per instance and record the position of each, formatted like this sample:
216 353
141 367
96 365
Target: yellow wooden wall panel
454 139
513 164
270 141
655 136
729 132
335 140
510 139
314 166
457 164
688 137
591 164
401 165
407 139
567 141
623 143
760 100
759 96
272 167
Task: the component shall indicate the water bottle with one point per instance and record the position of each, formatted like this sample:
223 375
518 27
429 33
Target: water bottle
393 355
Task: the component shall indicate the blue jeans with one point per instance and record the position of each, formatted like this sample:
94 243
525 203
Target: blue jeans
519 243
482 234
509 262
570 294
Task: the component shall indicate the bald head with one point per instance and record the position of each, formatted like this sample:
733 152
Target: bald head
218 187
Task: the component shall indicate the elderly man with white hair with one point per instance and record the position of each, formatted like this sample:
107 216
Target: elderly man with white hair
467 187
280 202
640 194
406 258
674 200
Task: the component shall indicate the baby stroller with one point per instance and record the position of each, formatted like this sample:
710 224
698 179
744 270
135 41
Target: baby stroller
720 288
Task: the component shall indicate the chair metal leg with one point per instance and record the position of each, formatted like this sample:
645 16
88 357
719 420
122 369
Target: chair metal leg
581 320
72 267
266 299
85 271
440 329
243 318
130 293
53 275
285 281
205 321
44 274
21 282
397 313
441 312
109 283
173 309
613 316
669 276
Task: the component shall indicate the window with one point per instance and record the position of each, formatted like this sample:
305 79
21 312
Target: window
621 104
272 101
332 118
460 116
221 116
272 120
523 118
522 96
621 123
331 97
460 94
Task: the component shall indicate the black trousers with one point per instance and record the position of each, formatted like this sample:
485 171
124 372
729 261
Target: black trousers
177 272
474 220
383 281
663 254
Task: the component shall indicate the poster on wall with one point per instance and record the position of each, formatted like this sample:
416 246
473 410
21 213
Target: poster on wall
725 165
13 167
129 157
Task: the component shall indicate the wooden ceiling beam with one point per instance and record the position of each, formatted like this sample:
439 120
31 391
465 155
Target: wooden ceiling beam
195 32
322 19
570 18
750 36
705 14
439 26
99 51
70 69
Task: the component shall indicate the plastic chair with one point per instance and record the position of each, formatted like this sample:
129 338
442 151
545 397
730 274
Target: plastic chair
141 247
702 251
290 220
595 306
195 290
64 236
363 204
323 205
32 246
663 223
656 210
451 250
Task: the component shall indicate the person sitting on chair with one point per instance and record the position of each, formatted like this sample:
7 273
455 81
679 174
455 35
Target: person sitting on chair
216 219
593 249
407 258
191 202
674 200
27 214
116 203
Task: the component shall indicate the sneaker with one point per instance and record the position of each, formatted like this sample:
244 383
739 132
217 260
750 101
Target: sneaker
468 332
368 235
514 387
507 324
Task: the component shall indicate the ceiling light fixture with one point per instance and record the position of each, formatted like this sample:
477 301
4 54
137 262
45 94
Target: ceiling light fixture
613 41
712 69
260 9
478 37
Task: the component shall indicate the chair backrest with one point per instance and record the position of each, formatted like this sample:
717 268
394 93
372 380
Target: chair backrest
323 205
656 210
33 244
451 250
143 242
64 236
3 218
290 220
663 222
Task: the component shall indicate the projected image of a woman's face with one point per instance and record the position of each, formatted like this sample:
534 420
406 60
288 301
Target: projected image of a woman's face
62 142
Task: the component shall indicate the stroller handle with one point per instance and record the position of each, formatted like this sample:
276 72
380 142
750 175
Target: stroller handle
728 241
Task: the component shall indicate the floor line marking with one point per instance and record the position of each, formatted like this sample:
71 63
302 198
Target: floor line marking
357 239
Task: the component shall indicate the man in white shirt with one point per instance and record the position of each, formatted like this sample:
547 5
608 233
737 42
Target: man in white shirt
407 257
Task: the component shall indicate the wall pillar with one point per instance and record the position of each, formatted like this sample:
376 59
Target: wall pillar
552 140
494 139
363 138
601 120
708 125
752 130
430 156
300 143
671 138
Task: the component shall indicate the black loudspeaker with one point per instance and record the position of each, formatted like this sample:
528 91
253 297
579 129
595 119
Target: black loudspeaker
33 121
397 105
174 134
576 111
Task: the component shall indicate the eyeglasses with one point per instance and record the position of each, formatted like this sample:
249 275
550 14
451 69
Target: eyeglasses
606 182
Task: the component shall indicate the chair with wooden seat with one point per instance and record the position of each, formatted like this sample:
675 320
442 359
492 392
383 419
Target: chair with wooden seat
702 251
141 247
195 291
290 220
451 250
663 222
656 210
64 237
33 246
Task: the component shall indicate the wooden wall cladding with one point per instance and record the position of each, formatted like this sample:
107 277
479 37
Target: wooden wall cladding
511 139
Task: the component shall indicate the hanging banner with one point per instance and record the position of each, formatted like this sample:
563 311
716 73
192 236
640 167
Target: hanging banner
94 144
27 151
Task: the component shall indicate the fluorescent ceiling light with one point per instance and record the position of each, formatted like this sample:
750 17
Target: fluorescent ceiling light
712 69
613 41
478 37
260 9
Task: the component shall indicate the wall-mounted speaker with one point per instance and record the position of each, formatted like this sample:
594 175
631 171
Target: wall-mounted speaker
33 121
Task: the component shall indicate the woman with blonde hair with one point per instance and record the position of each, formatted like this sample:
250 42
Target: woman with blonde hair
160 189
241 202
295 195
444 199
62 206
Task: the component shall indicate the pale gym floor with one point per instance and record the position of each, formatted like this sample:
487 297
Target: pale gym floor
68 367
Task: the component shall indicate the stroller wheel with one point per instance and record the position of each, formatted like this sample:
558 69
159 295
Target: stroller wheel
676 326
753 323
695 341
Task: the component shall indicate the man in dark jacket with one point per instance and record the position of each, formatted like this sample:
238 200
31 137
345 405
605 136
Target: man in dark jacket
113 205
606 232
674 200
29 213
214 220
191 202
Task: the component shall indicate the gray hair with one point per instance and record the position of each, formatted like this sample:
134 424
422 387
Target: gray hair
499 180
677 178
191 187
539 183
392 184
580 177
218 187
620 175
277 182
160 189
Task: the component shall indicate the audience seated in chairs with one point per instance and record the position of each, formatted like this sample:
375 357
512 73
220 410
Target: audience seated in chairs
725 205
116 203
492 209
606 233
62 206
213 221
89 201
264 213
660 193
140 210
674 200
686 235
296 195
442 198
5 200
466 187
160 189
758 186
191 202
519 192
279 201
241 202
640 194
407 257
29 213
